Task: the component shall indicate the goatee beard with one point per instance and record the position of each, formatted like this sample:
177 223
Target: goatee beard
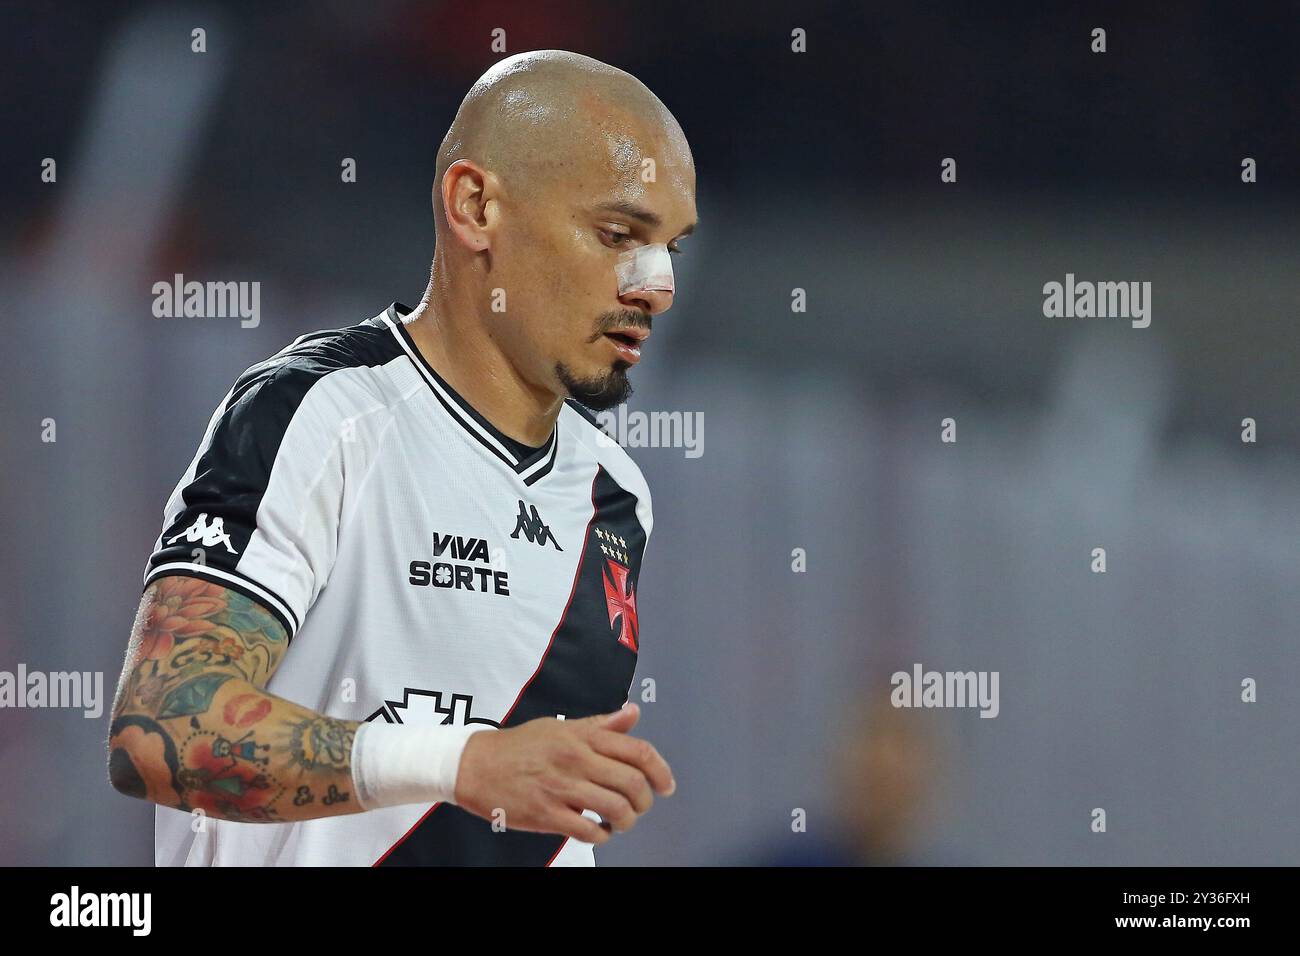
600 393
612 389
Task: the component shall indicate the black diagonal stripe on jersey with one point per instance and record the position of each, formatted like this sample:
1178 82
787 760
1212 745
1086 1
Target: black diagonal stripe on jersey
584 671
463 413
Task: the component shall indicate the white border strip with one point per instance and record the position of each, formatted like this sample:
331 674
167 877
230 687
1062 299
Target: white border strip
546 458
452 404
253 586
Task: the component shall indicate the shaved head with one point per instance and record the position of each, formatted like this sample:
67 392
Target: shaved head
556 167
536 118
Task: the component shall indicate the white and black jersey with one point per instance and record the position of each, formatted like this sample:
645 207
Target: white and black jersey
437 570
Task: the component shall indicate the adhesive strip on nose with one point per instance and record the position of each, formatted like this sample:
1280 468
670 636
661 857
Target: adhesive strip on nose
645 269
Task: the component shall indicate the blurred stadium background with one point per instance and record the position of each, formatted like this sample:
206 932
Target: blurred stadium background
817 171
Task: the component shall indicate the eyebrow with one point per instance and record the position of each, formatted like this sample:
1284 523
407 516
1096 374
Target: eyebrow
641 214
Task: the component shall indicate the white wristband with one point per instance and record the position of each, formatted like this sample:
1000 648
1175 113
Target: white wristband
398 763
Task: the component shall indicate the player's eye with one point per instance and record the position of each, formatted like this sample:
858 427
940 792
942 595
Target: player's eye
615 238
675 250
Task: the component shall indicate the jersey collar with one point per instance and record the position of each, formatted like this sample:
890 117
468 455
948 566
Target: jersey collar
531 468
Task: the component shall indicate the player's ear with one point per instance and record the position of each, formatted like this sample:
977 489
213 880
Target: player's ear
467 191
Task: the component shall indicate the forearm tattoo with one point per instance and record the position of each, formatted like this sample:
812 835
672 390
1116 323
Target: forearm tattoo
190 732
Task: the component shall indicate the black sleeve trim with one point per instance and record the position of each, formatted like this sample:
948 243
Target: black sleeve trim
260 594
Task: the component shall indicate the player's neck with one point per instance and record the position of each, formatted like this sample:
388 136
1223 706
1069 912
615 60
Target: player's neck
472 363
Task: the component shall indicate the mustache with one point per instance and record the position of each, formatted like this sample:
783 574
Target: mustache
613 321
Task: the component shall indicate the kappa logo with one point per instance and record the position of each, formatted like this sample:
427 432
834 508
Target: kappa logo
530 523
207 534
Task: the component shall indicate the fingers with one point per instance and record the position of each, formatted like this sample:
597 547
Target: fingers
572 823
638 753
623 779
612 806
595 765
621 720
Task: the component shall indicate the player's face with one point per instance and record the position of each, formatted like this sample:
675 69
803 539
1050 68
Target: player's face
581 336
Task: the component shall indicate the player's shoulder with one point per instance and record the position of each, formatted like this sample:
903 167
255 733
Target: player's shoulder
346 364
605 448
315 355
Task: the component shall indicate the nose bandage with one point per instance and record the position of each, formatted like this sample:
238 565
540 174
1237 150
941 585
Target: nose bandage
645 269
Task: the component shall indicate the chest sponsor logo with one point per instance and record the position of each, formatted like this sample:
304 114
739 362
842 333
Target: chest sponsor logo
620 597
459 564
530 524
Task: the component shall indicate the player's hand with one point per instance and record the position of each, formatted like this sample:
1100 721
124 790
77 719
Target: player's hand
545 772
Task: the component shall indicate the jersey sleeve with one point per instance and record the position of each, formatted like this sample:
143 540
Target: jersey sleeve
258 509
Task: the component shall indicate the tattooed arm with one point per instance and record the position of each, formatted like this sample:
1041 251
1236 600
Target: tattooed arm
193 727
